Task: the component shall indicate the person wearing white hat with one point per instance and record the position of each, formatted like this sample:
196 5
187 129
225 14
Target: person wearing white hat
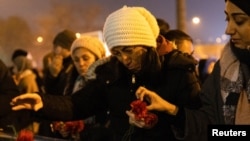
84 51
87 49
130 33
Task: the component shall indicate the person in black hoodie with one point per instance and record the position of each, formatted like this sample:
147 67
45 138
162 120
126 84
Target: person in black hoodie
130 34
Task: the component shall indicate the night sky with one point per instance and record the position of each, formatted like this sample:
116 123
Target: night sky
211 12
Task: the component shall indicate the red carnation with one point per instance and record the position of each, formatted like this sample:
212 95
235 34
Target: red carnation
74 126
25 135
139 109
141 113
69 126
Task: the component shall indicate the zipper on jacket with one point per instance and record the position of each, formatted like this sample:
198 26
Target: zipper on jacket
133 81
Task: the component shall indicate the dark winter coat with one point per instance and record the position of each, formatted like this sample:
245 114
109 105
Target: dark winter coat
45 125
196 130
55 85
114 90
8 90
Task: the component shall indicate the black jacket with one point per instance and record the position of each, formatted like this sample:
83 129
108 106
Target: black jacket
113 90
197 121
55 85
8 90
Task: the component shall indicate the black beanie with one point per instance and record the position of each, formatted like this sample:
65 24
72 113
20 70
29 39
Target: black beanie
19 52
64 39
244 5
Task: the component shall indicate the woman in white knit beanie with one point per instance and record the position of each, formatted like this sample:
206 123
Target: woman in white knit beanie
84 51
130 33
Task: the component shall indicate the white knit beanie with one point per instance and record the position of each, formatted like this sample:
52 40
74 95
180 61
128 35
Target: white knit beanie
91 43
130 26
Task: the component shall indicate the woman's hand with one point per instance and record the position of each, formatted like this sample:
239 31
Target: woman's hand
30 101
133 121
156 102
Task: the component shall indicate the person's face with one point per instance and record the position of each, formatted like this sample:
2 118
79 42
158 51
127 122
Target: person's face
82 59
186 46
19 63
238 25
58 50
130 56
164 46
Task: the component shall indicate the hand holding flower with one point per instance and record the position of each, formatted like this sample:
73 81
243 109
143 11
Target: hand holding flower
156 102
139 116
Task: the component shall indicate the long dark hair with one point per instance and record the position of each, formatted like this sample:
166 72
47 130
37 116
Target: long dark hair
114 69
151 64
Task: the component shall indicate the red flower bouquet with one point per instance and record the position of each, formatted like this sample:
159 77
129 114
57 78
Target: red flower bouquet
141 113
71 127
25 135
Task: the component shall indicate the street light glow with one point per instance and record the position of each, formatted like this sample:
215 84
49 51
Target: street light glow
78 35
39 39
196 20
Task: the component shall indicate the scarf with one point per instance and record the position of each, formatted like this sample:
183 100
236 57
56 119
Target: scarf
79 83
235 95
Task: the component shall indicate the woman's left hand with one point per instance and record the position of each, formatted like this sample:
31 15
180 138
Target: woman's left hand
139 123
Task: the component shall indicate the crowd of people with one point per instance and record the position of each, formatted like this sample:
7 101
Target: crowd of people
151 87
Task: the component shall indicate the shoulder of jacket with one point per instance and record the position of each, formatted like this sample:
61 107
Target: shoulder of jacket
91 73
182 61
